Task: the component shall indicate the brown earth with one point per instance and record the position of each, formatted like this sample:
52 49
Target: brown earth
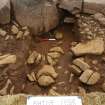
17 72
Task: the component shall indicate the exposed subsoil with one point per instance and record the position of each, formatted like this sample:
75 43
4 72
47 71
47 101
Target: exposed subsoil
21 48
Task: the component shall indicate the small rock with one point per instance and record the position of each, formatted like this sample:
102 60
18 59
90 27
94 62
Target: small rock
58 36
57 49
47 70
32 57
85 76
7 59
74 69
95 47
2 32
7 37
19 35
95 62
31 77
89 77
26 33
54 55
52 92
14 29
71 78
81 64
45 80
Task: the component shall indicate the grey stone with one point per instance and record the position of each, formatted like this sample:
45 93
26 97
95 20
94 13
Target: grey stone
4 11
39 15
94 6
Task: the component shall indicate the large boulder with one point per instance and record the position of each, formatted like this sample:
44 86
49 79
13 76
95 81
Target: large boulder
4 11
39 15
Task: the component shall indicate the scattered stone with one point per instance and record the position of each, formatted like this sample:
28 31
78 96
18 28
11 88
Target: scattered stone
71 78
51 61
46 75
14 29
47 70
7 59
2 32
31 77
5 89
5 11
95 46
89 77
54 55
19 35
93 79
26 33
12 90
34 58
95 62
45 80
7 37
86 76
57 49
59 35
52 92
81 64
74 69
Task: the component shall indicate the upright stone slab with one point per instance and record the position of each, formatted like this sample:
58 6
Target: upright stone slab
39 15
4 11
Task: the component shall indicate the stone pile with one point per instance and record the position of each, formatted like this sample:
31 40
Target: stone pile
86 75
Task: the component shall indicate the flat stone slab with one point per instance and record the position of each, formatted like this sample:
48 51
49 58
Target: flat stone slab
95 47
4 11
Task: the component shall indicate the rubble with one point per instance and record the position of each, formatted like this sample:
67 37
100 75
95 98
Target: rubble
81 64
5 11
95 47
7 59
46 76
2 32
14 29
59 35
89 77
47 70
31 77
75 70
4 90
19 35
52 92
34 58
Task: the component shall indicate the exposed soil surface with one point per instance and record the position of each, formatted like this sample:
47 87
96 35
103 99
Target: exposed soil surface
17 73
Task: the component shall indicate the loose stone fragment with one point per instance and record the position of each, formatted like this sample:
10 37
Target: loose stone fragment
54 55
74 69
19 35
47 70
2 32
58 35
52 92
57 49
89 77
81 64
14 29
7 59
45 80
31 77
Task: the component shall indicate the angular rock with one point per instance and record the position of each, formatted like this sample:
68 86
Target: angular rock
39 15
2 32
52 92
54 55
85 76
94 78
14 29
74 69
95 47
5 11
47 70
94 6
7 59
45 80
31 77
57 49
89 77
71 5
59 35
81 64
